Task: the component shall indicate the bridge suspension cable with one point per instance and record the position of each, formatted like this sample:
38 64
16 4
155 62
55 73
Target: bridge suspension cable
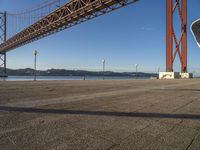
19 20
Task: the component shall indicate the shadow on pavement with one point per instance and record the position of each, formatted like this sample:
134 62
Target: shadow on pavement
100 113
182 90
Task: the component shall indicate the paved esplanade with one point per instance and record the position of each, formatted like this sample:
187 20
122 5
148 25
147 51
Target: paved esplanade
143 114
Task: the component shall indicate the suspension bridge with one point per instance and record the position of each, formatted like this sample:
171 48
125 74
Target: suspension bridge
23 27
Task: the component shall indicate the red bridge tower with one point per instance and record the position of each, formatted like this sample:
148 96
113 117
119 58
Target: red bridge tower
174 44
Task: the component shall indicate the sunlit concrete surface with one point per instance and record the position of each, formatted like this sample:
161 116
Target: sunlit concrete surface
132 114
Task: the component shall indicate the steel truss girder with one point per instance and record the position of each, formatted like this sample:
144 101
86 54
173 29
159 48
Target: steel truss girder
68 15
171 37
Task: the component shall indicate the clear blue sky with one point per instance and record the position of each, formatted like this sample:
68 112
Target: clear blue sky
128 36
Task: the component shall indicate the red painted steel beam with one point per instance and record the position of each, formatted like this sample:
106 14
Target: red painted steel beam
180 43
184 38
169 29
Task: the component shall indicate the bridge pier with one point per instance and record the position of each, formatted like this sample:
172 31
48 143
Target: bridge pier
3 65
176 44
3 21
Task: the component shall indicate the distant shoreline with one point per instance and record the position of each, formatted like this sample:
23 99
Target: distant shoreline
68 73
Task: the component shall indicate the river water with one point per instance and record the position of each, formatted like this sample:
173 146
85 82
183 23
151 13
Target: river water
29 78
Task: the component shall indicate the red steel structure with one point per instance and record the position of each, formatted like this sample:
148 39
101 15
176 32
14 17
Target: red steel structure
78 11
171 37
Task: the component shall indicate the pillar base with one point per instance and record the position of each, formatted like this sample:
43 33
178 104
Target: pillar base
175 75
169 75
186 75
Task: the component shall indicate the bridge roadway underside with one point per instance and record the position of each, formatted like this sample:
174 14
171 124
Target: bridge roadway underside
70 14
146 114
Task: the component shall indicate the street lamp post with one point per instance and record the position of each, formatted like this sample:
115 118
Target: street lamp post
35 64
103 61
136 69
158 69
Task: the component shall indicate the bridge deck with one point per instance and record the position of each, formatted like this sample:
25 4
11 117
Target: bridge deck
70 14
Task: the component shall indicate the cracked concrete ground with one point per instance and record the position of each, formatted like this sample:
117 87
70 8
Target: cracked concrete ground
131 114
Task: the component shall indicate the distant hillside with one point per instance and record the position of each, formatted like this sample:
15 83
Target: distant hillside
63 72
